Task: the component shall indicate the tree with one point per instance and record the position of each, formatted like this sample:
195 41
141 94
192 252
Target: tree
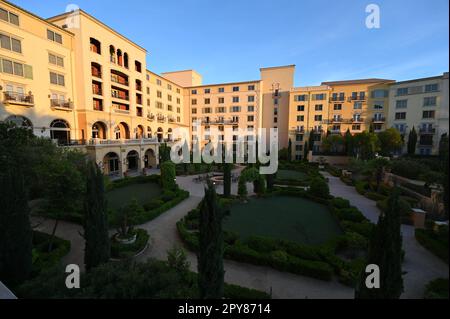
168 177
15 229
305 151
210 255
348 142
311 140
333 143
319 188
443 146
412 141
97 245
390 141
164 153
385 251
366 145
226 179
378 166
270 178
289 151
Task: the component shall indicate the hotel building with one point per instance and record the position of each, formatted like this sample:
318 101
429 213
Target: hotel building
77 81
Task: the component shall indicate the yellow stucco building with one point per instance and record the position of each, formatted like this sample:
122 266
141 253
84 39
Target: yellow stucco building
77 81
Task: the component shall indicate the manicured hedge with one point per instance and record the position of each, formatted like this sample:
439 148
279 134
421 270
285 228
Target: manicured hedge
123 251
361 187
119 183
42 259
428 240
231 291
375 196
437 289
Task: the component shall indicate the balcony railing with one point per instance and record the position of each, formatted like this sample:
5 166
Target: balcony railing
427 130
96 73
120 96
18 98
161 119
150 117
98 141
357 120
61 104
121 81
379 119
356 98
97 91
337 99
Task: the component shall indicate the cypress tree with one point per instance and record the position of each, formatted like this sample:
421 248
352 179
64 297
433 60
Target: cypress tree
348 140
311 141
210 255
270 181
15 228
385 250
412 141
97 246
289 151
305 151
226 179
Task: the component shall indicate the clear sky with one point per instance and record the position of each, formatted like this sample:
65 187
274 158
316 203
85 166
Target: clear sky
229 40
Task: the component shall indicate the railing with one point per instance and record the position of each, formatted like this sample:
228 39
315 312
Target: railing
119 109
61 104
427 130
161 119
150 117
96 73
98 141
120 96
357 120
337 99
14 97
356 98
97 91
378 119
121 81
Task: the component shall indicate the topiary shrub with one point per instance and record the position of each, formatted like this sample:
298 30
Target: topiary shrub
168 181
350 214
319 188
340 202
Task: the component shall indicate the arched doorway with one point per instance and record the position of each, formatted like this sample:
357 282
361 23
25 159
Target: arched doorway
19 121
160 134
60 131
169 134
133 161
99 130
139 132
150 158
122 131
111 164
149 132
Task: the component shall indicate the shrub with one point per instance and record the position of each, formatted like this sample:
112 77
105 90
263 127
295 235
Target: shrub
319 188
168 176
361 187
437 289
364 228
350 214
237 292
340 202
154 203
42 259
428 240
408 168
375 196
168 195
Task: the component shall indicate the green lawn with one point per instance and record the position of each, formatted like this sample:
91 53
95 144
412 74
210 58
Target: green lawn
283 217
143 192
291 175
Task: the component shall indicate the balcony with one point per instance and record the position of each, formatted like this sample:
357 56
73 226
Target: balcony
161 118
171 119
356 98
337 99
379 119
121 96
427 130
120 108
102 142
151 117
337 120
357 120
97 91
61 104
18 98
119 80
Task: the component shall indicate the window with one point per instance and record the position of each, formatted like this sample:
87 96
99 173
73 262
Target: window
300 98
379 94
159 94
317 117
299 137
194 101
207 91
235 99
431 87
251 99
221 90
400 115
429 101
250 118
53 36
319 97
402 91
169 86
378 105
56 60
138 66
148 90
357 105
299 148
169 97
9 16
178 100
57 79
337 107
221 100
208 101
158 82
250 108
235 88
356 127
95 46
401 104
318 107
401 127
251 87
159 105
275 119
220 109
16 68
275 111
207 110
235 109
10 44
428 114
300 118
194 111
300 108
169 107
193 92
147 76
178 90
275 101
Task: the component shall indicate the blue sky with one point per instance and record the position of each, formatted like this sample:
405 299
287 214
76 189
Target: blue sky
230 40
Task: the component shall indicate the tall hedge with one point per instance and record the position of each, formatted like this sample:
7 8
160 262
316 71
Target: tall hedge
168 176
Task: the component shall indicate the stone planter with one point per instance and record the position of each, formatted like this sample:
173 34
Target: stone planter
127 241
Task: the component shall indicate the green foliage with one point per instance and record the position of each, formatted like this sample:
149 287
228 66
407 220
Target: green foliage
409 168
42 258
436 244
375 196
361 187
168 176
124 251
437 289
366 145
226 179
340 202
390 141
289 151
164 153
251 174
177 259
97 247
412 141
350 214
319 188
283 154
210 256
333 143
237 292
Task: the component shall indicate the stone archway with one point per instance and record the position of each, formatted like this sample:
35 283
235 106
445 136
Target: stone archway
150 160
160 134
140 132
111 164
60 131
122 131
133 161
99 130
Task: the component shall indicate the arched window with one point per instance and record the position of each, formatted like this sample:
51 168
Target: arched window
125 60
119 57
112 53
19 121
60 131
95 46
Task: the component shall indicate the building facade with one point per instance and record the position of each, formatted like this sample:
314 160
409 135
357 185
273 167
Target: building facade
77 81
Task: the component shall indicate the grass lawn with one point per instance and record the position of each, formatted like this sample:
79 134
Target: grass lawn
143 192
283 217
291 175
